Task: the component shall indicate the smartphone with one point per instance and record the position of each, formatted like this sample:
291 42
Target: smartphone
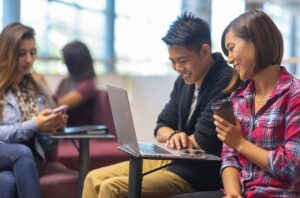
193 153
62 109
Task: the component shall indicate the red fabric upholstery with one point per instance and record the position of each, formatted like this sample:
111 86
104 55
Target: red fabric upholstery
102 153
102 113
58 181
52 155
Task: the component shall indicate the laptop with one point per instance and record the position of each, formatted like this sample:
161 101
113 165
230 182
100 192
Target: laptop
126 134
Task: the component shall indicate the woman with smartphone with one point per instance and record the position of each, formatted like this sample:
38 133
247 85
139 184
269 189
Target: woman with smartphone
25 106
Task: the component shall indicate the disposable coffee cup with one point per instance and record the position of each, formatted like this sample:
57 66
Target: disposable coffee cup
223 109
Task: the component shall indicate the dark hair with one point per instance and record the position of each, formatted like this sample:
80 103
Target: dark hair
78 60
257 27
189 31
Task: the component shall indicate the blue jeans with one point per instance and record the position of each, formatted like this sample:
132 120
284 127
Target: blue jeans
18 172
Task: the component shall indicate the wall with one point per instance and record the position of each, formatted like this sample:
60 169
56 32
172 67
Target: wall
148 95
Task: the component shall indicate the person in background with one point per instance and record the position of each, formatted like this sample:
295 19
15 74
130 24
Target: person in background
261 153
78 90
16 161
185 122
25 111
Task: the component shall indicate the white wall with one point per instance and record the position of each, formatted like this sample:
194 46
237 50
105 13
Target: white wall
148 95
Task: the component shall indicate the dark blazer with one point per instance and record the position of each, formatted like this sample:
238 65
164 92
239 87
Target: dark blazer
201 175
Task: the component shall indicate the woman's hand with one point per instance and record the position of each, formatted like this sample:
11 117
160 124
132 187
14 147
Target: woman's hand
51 122
179 140
228 133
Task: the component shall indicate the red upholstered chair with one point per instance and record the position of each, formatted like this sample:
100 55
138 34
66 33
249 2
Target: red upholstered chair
102 151
102 113
57 180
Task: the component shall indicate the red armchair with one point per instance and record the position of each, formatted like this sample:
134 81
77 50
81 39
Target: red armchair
59 178
102 151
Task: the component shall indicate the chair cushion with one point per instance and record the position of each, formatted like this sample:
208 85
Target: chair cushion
58 181
102 113
103 152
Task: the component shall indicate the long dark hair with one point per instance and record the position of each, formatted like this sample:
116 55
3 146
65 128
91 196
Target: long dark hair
78 61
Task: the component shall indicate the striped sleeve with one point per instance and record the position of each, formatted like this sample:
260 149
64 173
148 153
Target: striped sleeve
230 158
284 161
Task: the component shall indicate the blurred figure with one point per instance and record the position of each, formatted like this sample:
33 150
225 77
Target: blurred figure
78 90
24 112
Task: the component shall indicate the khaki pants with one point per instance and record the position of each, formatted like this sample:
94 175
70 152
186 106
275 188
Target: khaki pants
112 181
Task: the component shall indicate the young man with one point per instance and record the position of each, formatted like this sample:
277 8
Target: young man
185 122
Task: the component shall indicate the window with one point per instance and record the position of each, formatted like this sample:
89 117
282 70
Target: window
221 17
1 13
81 20
287 28
140 25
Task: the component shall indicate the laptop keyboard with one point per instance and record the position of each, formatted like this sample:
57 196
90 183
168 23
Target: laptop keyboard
152 149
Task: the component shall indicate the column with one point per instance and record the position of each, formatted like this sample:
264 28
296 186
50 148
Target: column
109 49
11 11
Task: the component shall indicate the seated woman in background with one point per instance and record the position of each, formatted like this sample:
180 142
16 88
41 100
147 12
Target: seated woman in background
78 90
261 153
24 110
18 172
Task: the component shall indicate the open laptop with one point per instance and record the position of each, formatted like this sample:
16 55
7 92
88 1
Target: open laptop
120 106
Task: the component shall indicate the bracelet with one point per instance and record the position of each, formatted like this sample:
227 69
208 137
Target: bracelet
172 134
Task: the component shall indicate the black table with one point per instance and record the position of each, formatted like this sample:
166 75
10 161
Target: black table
83 134
136 175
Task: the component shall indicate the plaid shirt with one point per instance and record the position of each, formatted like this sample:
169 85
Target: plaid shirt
276 128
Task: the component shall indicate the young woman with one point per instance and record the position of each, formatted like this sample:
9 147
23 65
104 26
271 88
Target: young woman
261 153
78 90
24 111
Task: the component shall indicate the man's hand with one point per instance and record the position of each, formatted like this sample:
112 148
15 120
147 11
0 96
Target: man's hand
179 140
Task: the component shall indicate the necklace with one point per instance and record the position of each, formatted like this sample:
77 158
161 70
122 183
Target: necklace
260 100
263 97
